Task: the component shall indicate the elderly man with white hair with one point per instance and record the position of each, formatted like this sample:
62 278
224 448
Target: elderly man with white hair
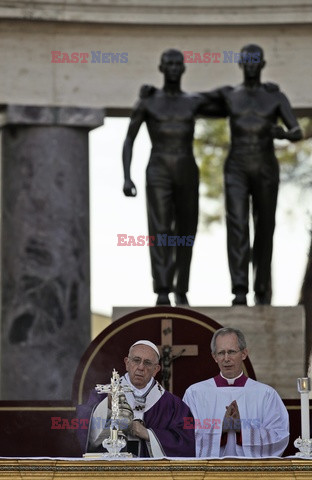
154 417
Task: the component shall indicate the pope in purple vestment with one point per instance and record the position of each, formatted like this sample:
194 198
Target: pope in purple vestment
158 416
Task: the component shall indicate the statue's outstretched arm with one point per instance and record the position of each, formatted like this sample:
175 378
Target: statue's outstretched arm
214 102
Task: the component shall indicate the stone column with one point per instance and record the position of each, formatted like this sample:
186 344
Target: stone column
45 265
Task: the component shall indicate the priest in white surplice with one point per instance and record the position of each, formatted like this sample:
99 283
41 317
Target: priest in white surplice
235 415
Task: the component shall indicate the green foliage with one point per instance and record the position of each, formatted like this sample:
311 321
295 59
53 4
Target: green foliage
296 158
211 145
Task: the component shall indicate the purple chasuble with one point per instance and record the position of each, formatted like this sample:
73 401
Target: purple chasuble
165 418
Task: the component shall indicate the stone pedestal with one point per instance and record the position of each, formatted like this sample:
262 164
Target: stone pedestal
45 280
275 340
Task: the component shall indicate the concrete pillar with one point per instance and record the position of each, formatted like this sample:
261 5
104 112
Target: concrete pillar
45 267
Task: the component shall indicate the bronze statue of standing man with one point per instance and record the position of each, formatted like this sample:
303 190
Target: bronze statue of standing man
171 178
251 172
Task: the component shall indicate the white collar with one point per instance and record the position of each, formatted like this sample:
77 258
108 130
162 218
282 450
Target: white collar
231 380
139 392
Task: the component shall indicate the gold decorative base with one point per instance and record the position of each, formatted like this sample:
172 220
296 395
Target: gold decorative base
156 469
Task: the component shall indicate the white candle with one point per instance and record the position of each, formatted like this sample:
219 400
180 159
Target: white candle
304 387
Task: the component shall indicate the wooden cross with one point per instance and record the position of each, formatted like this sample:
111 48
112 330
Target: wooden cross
170 352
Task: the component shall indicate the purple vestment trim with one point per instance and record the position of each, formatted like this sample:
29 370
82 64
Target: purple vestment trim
222 382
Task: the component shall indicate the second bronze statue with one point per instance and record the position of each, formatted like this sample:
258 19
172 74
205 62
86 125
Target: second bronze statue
172 176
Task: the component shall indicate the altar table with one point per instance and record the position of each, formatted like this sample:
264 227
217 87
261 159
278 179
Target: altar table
175 469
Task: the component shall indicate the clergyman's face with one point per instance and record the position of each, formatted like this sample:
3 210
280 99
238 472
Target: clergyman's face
172 66
141 365
230 365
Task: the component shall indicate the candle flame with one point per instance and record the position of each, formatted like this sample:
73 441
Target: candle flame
304 384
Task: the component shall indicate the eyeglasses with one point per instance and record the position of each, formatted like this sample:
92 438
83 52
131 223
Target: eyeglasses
230 353
138 361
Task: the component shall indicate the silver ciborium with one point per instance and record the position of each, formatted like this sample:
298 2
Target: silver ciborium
116 440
